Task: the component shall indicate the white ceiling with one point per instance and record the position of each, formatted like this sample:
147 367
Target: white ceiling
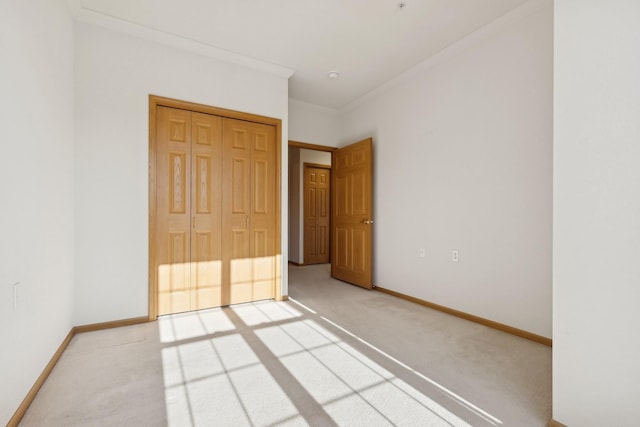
368 41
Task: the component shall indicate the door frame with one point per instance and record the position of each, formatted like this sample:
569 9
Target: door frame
314 147
306 165
158 101
308 146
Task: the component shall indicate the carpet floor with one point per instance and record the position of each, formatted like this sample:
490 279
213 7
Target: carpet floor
334 354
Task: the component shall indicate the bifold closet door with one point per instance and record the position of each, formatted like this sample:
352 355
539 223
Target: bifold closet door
206 212
188 214
216 201
249 211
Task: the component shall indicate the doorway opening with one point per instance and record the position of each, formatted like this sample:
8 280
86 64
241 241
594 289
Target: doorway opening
350 244
303 226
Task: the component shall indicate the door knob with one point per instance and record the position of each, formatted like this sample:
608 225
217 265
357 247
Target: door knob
367 221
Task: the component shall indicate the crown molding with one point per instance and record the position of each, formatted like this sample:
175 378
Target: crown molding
83 14
527 8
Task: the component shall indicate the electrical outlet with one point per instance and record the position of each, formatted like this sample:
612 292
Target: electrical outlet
421 252
454 256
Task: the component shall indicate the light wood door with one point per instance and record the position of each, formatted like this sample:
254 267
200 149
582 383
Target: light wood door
206 215
173 208
317 185
214 211
351 257
188 251
249 211
217 230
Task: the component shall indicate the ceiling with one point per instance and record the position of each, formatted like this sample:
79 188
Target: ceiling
367 41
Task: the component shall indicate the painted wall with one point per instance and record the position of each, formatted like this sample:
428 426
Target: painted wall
36 186
463 161
115 73
313 124
596 243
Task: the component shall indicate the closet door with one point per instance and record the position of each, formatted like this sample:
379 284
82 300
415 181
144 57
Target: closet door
249 211
206 211
214 221
189 214
173 210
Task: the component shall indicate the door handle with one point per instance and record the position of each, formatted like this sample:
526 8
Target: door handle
367 221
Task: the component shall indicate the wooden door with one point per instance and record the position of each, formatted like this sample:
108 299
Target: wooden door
317 185
351 257
173 210
188 251
206 215
249 211
214 217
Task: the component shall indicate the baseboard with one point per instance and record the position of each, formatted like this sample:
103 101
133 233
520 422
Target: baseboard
110 325
486 322
296 263
22 409
554 423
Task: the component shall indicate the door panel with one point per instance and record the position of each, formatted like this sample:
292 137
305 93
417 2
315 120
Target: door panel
249 211
317 182
263 212
206 194
236 205
352 214
173 199
206 272
188 189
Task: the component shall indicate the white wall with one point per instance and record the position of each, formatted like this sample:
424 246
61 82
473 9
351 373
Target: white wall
596 213
463 161
313 124
36 187
115 73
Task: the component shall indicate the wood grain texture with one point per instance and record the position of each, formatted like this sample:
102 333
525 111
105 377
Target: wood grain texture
153 142
317 213
201 168
352 210
249 255
308 146
206 199
206 109
110 325
486 322
173 210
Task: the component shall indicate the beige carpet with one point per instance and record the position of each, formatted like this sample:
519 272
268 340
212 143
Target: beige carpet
334 355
